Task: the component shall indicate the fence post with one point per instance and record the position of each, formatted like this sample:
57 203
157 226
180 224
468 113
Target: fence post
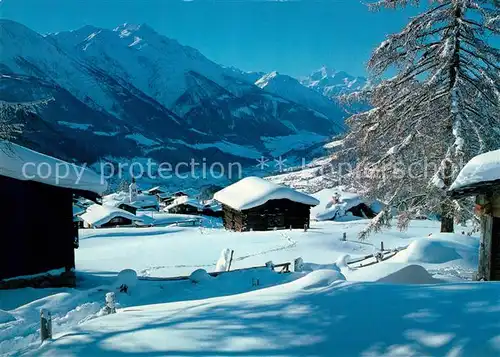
45 324
230 261
298 265
110 307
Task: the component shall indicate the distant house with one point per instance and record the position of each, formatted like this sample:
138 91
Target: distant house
165 199
184 205
34 241
338 204
256 204
187 192
156 190
481 178
104 216
142 202
212 208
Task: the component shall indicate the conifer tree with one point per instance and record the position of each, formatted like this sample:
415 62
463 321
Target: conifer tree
440 108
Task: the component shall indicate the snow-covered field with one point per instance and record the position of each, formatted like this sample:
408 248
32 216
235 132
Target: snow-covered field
329 309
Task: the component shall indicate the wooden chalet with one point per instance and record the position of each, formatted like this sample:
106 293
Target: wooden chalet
165 199
256 204
481 178
212 208
156 191
184 205
106 216
35 241
132 203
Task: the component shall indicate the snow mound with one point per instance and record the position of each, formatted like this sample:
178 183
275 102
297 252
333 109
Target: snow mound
313 267
254 191
341 263
127 277
339 266
224 260
435 251
321 278
6 317
199 275
411 274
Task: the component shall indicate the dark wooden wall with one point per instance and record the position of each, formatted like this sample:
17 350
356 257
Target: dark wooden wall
117 221
280 214
36 228
495 250
184 209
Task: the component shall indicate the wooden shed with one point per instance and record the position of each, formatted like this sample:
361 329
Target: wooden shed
481 178
39 239
256 204
184 205
107 216
132 203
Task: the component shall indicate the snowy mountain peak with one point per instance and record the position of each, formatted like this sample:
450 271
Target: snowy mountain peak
127 30
332 83
132 80
265 79
323 72
290 88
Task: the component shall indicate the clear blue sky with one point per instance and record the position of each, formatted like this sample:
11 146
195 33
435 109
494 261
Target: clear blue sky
291 37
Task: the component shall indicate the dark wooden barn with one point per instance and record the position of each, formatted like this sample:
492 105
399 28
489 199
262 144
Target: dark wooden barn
38 233
184 205
157 190
128 207
481 178
259 205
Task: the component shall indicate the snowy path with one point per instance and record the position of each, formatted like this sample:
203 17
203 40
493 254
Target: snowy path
288 244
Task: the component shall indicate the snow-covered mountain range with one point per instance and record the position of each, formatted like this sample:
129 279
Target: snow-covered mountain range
331 83
131 92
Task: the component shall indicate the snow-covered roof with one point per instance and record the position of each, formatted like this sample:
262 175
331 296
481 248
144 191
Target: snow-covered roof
212 204
142 200
22 163
156 188
482 170
186 201
97 215
187 192
328 210
163 196
254 191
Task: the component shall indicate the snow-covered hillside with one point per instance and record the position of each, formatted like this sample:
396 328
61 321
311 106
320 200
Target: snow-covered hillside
100 86
290 88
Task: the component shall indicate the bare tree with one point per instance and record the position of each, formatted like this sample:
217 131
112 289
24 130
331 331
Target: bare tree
439 109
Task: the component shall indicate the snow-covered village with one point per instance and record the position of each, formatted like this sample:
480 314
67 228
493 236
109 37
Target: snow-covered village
194 178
